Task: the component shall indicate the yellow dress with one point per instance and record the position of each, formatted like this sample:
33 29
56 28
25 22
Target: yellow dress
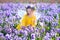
27 21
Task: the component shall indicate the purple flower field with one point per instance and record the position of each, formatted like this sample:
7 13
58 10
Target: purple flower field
47 28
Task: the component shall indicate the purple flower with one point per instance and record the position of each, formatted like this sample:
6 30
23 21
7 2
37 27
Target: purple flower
53 6
16 31
22 31
31 29
1 12
24 38
43 30
33 36
1 34
1 21
19 38
52 33
15 37
5 7
2 38
58 38
54 24
58 10
27 30
8 36
47 38
37 29
48 35
18 17
7 13
8 30
58 30
37 32
49 18
10 5
21 6
1 28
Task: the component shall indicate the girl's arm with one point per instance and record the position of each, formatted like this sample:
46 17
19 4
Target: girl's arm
34 22
23 21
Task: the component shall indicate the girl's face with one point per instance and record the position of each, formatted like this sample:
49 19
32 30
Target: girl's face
29 11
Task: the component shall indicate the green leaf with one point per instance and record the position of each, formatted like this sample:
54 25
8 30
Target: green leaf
53 38
59 15
15 25
29 37
20 35
3 32
45 11
38 25
39 38
3 24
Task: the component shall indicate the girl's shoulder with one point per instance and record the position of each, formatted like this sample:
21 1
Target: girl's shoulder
25 15
34 17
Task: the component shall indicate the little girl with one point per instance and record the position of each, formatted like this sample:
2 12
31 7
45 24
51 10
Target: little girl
29 18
